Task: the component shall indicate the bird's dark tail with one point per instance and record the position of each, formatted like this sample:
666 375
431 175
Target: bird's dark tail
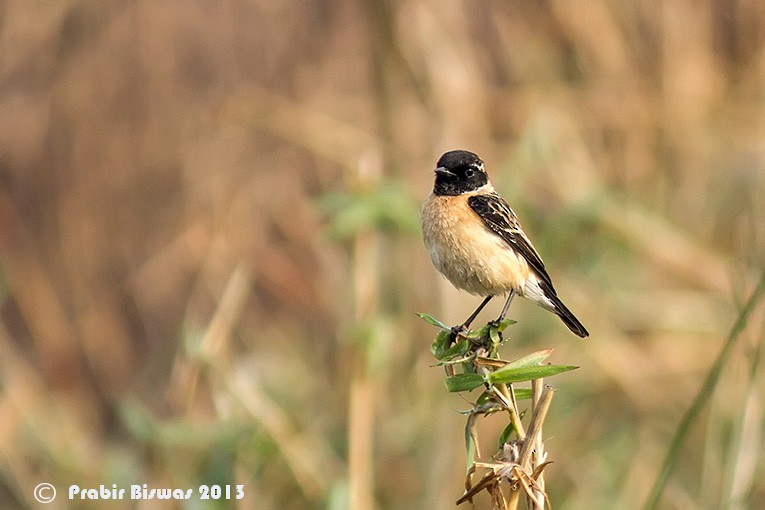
568 318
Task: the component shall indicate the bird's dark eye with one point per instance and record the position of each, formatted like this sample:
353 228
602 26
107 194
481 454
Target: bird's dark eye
469 173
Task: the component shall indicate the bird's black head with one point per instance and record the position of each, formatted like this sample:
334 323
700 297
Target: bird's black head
459 172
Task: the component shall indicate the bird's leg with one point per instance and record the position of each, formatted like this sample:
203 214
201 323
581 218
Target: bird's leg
456 330
505 308
473 315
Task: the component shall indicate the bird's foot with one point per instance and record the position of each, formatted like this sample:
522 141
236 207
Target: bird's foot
456 332
495 325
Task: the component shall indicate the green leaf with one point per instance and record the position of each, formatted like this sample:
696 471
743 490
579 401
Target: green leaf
504 437
530 360
470 447
483 331
434 322
486 397
463 382
521 374
495 337
487 403
458 350
522 393
505 323
440 345
443 349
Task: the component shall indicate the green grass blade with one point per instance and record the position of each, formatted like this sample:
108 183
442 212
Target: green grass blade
702 397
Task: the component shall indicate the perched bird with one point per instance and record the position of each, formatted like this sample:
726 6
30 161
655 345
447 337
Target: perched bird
475 240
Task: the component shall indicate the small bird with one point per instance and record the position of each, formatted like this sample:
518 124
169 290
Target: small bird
476 241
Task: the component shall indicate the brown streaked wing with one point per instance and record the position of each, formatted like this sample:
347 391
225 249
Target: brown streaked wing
496 213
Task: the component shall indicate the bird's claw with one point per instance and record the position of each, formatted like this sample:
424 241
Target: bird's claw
495 325
456 332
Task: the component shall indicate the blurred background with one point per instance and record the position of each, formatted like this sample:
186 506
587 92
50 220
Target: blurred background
210 259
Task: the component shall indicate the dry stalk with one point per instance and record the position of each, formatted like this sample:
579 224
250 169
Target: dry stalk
472 361
520 463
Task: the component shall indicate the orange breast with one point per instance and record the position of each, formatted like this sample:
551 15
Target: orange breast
466 251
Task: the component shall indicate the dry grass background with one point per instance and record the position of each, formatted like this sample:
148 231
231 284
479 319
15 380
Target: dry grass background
175 310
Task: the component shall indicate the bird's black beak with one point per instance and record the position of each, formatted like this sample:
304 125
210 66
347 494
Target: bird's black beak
444 171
